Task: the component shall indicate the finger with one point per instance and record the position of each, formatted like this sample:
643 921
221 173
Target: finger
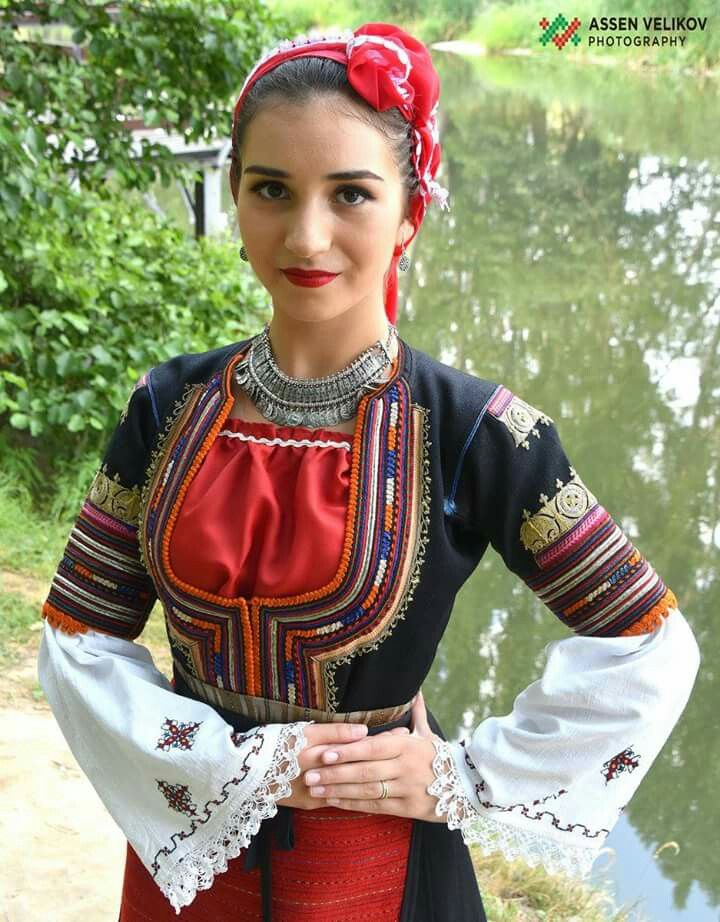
385 745
421 727
397 806
323 737
354 773
334 732
365 791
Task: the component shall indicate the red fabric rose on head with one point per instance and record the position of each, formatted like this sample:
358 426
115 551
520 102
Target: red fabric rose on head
378 75
391 68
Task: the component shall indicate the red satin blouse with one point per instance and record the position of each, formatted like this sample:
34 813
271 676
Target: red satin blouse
265 513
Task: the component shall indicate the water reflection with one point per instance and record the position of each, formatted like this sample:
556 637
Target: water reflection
580 266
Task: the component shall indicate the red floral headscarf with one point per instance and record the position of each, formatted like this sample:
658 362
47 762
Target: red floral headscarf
387 67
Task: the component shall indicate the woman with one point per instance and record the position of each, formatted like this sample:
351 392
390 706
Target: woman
306 504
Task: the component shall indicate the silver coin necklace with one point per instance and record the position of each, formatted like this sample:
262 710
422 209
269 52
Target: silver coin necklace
311 402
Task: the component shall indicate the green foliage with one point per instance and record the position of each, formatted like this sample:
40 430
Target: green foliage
95 288
456 14
177 63
442 20
326 14
92 301
503 26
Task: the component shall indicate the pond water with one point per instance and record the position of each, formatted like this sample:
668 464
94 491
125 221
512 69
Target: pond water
580 266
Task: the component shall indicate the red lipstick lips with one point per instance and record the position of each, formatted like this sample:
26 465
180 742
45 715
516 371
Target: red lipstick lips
309 278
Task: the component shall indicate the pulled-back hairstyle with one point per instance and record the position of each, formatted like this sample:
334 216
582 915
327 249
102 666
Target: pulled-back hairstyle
304 79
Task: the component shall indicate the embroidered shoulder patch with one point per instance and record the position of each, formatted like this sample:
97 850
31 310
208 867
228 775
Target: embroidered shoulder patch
520 417
557 514
115 498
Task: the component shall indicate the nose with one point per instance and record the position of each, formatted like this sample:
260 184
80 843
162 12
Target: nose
309 231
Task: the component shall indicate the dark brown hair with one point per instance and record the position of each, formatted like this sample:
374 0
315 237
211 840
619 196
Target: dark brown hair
304 79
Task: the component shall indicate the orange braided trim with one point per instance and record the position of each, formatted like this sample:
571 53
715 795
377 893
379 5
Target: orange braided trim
69 625
653 618
352 513
66 623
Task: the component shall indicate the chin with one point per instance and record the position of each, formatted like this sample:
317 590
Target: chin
311 313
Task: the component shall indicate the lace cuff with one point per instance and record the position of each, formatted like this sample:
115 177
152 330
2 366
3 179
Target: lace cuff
548 781
197 870
481 828
188 792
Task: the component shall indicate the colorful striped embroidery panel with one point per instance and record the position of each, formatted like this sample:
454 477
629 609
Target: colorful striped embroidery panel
597 582
100 583
287 649
588 572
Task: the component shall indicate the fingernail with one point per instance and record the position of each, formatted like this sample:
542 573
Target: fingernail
330 756
358 730
312 777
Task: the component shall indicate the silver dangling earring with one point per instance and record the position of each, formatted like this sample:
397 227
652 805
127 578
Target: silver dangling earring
404 262
243 253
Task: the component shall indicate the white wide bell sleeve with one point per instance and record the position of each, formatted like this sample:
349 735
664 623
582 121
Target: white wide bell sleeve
186 790
547 782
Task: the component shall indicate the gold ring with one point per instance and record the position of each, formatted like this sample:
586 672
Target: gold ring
384 791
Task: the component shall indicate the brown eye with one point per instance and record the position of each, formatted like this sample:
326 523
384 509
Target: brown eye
356 190
261 185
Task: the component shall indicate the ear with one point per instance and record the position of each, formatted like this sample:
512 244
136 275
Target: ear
405 232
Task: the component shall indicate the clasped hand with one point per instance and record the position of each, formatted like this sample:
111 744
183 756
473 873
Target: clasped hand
401 757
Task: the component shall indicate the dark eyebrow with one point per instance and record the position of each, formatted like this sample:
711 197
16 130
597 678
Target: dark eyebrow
281 174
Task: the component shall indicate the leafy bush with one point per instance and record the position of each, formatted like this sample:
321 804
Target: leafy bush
92 301
95 287
177 64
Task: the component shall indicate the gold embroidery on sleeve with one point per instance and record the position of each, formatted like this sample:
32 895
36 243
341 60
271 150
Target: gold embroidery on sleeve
521 418
114 497
557 515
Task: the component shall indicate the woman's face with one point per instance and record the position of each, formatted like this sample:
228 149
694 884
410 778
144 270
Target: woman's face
303 219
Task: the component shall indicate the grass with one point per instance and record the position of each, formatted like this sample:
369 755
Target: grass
514 892
29 542
502 27
17 616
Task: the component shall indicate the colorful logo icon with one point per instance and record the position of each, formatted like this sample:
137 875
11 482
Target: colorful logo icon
559 31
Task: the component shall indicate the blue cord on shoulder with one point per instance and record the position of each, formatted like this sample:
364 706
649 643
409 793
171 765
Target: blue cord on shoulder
153 402
449 503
